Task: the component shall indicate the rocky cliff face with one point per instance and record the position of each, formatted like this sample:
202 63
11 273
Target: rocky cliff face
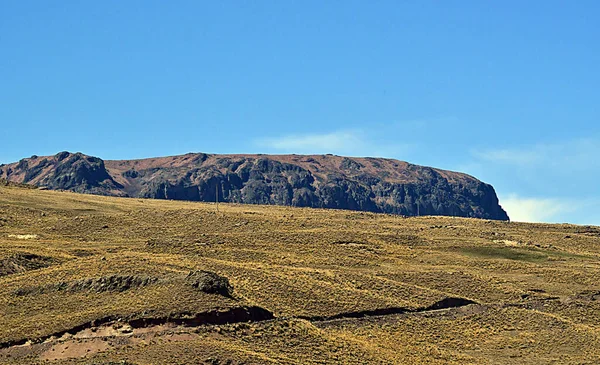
322 181
64 171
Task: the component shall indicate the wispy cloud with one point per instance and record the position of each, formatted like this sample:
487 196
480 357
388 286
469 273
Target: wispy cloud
577 153
346 142
511 156
315 143
522 209
552 210
554 181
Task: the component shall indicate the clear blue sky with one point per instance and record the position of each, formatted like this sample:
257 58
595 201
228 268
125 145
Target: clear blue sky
508 91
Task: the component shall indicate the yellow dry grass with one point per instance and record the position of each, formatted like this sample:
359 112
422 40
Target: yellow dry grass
535 282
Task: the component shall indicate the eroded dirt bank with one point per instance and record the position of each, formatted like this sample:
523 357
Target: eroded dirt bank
112 332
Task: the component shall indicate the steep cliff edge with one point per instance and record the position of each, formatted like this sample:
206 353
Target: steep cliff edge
322 181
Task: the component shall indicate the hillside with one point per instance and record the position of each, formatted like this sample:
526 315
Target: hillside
88 279
319 181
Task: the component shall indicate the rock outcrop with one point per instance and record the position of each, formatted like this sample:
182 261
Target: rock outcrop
210 282
64 171
112 283
21 262
321 181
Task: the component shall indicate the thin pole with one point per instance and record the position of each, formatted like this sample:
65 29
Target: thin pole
217 196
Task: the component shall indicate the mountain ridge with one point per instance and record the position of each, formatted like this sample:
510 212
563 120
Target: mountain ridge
321 181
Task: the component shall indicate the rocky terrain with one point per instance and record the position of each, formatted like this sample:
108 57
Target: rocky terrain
318 181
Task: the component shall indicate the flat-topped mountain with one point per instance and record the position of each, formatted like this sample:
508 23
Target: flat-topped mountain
320 181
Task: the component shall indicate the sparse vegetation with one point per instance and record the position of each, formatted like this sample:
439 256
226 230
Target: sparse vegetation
151 282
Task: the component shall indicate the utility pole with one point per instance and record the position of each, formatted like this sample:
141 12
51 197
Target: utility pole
217 196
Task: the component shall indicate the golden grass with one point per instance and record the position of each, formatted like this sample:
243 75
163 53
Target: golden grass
299 262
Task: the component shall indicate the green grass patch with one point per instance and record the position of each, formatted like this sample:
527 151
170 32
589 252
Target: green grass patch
507 253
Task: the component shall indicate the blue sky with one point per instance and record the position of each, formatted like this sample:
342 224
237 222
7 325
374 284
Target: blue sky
506 91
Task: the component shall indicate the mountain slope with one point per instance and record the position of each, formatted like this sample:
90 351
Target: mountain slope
323 181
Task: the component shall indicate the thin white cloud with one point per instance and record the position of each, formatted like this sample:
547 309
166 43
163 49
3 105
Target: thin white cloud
315 143
577 153
522 209
346 142
561 175
511 156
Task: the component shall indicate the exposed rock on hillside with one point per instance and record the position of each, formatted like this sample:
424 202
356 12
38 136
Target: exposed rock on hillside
322 181
112 283
64 171
21 262
210 283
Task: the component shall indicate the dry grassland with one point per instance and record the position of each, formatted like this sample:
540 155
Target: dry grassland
98 280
